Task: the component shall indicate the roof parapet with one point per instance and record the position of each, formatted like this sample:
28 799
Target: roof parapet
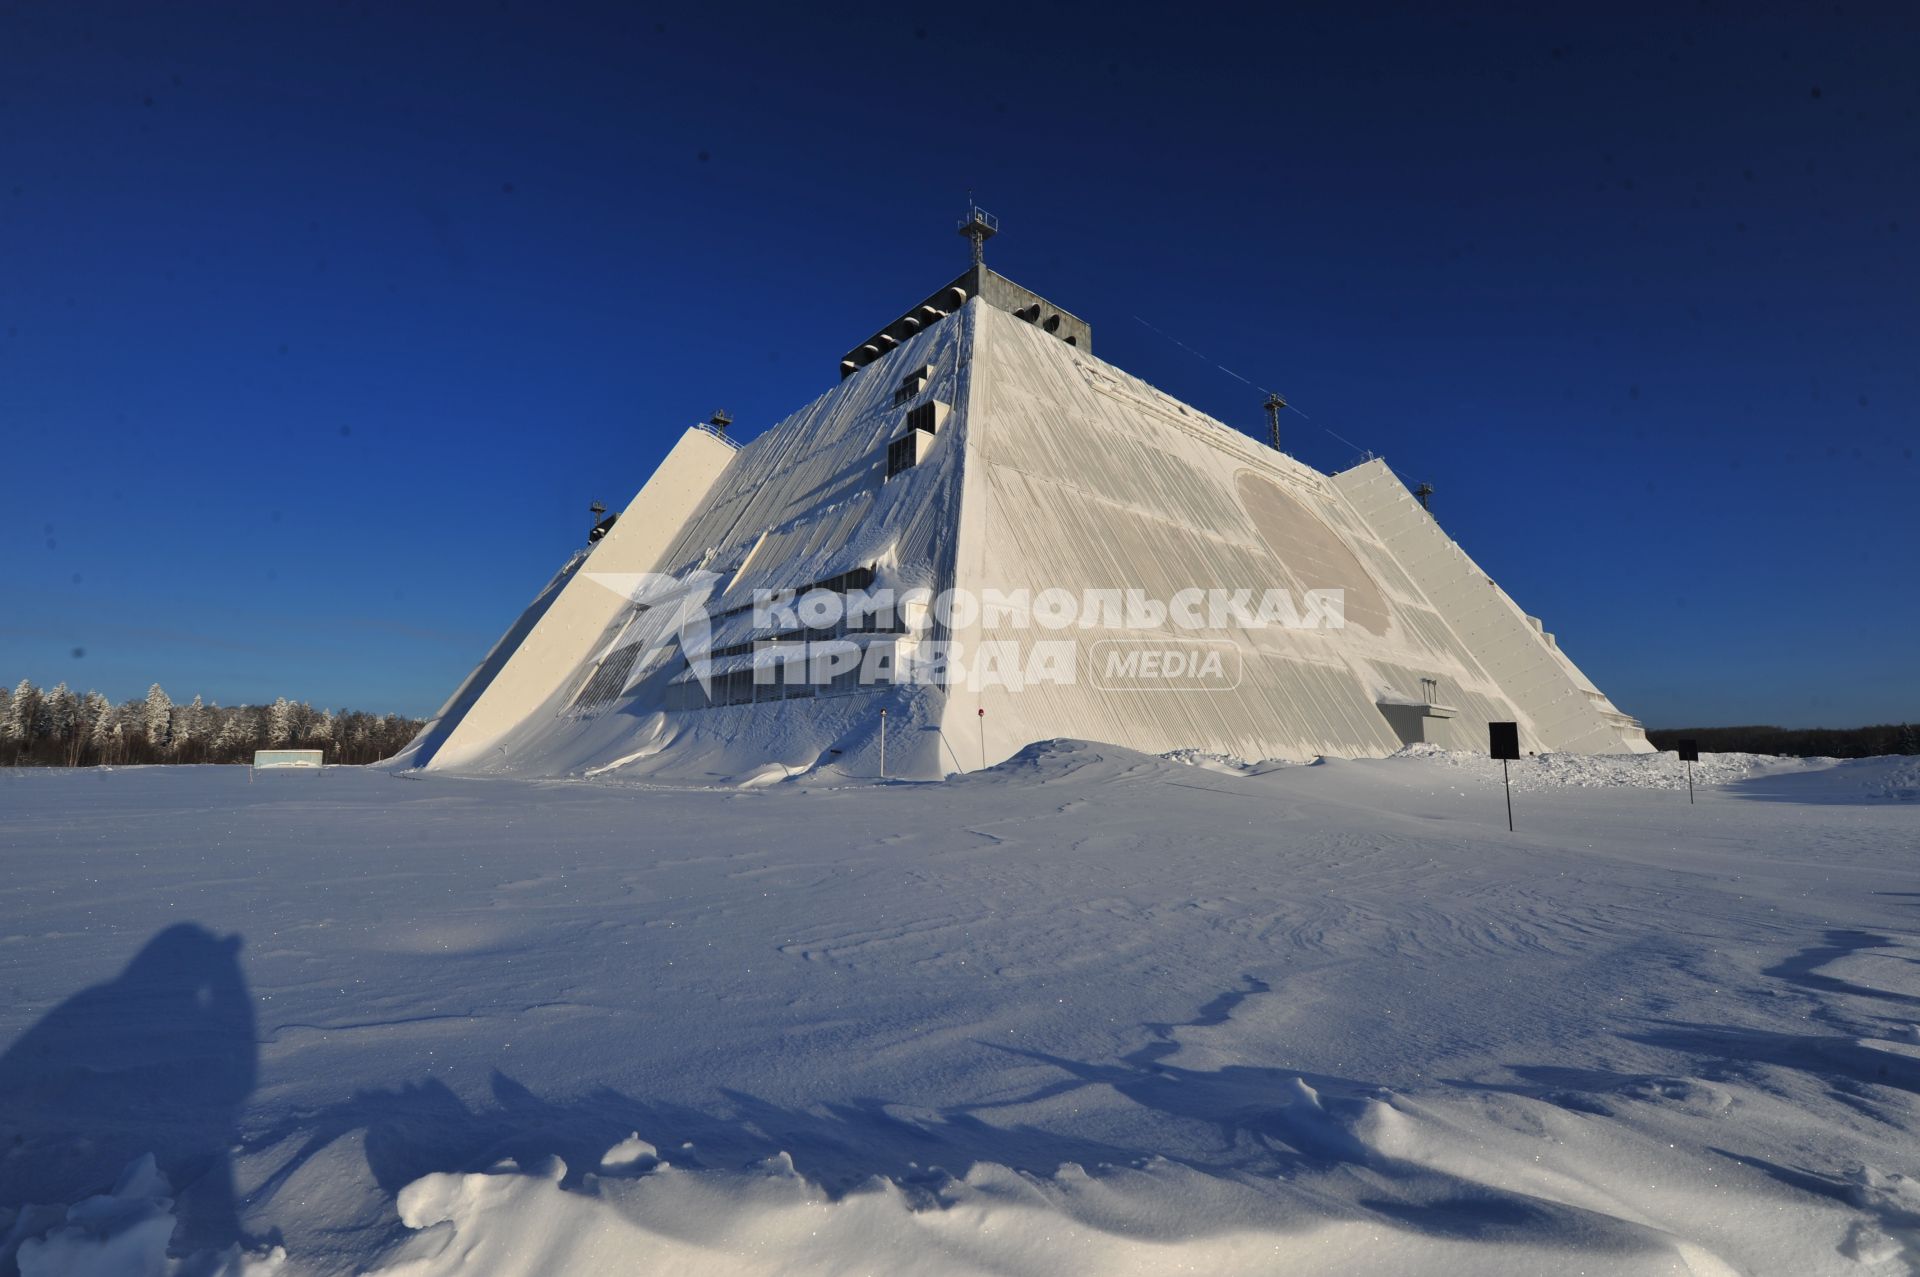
995 290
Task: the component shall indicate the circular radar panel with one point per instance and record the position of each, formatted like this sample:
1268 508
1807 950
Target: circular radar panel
1312 551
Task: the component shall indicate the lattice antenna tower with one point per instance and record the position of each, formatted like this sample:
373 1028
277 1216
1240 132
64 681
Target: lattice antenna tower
979 227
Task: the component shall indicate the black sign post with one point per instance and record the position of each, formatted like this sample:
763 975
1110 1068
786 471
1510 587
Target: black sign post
1689 751
1503 743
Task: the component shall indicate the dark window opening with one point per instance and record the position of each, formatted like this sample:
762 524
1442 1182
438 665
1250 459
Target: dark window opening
902 454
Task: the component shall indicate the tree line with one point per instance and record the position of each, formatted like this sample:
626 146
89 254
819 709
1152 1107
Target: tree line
1797 742
65 728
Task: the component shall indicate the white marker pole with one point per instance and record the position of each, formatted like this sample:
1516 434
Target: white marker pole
883 744
983 740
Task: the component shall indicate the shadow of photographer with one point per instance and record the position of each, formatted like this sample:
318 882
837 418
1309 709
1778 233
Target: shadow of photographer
157 1060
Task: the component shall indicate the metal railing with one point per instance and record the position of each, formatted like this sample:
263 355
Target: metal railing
726 439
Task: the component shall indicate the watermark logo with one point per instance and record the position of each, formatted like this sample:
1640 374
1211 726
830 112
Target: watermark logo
669 612
1192 609
1155 665
811 641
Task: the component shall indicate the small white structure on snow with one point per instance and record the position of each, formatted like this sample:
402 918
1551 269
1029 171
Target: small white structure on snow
296 759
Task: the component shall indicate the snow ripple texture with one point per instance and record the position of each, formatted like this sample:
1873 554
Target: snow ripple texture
1087 1012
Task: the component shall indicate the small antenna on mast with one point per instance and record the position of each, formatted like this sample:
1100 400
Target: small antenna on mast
1273 406
979 227
1422 492
720 421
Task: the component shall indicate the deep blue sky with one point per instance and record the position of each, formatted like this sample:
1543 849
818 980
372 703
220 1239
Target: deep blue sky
320 326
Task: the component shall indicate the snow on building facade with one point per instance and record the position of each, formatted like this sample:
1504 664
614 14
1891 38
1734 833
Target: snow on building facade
982 516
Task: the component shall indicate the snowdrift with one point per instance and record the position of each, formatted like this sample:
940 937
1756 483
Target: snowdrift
1088 1011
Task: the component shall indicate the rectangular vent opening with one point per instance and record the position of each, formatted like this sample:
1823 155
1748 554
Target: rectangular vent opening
903 453
608 680
912 385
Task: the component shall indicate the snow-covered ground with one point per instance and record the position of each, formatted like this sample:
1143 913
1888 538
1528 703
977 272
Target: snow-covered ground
1089 1012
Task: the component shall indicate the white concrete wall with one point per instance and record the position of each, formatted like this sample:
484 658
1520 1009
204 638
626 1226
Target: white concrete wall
1085 477
1080 476
1053 469
1558 707
803 501
421 749
566 632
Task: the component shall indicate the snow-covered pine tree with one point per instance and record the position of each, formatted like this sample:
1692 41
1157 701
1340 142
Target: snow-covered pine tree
132 722
22 711
359 739
63 710
189 724
63 721
231 742
280 722
100 716
63 707
159 721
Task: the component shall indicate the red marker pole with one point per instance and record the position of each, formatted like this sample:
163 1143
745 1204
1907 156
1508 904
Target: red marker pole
983 740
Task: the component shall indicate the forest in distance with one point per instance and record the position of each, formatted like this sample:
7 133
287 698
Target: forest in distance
64 728
1796 742
59 727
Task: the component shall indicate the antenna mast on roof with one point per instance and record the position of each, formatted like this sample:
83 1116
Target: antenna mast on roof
1273 405
979 227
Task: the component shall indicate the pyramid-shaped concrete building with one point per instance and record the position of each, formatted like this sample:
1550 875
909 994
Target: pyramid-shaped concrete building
984 536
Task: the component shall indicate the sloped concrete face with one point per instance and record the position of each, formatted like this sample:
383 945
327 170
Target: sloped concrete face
422 749
1558 707
1081 476
1095 560
561 635
809 501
